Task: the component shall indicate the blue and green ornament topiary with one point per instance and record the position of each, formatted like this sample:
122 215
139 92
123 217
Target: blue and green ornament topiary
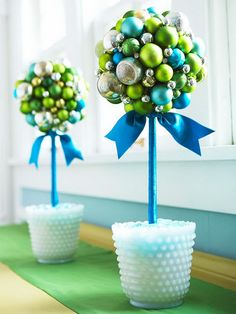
52 96
151 62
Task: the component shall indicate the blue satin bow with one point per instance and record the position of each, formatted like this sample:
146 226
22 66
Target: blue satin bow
184 130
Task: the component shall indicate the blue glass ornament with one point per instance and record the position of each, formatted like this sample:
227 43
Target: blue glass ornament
176 59
30 119
161 95
152 10
132 27
80 105
182 101
117 57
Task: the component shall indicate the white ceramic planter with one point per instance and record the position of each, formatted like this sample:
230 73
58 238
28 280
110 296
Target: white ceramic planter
155 261
54 231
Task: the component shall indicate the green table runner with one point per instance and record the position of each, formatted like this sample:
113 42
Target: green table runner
90 284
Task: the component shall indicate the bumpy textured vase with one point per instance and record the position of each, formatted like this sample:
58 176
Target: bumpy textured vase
54 231
155 261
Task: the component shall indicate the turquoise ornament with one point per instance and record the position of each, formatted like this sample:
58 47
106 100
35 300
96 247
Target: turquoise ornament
152 10
182 101
132 27
176 59
15 93
117 57
30 119
80 105
198 47
161 95
74 117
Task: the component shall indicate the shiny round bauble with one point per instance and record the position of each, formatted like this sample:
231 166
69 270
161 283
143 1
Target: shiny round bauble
46 93
198 47
167 107
114 100
161 95
109 40
135 91
182 101
38 92
179 20
60 103
63 115
58 67
36 81
30 119
48 102
24 90
128 107
67 77
185 43
152 10
132 27
189 88
56 76
45 127
130 46
71 105
43 68
109 86
167 36
29 76
25 107
99 48
117 57
118 24
80 105
153 24
55 91
180 79
35 105
176 59
67 93
61 84
151 55
102 61
148 81
143 107
129 71
74 117
47 81
54 110
194 62
164 73
141 14
146 38
201 75
43 118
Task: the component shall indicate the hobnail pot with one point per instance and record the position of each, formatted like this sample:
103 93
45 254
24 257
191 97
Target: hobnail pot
54 231
154 261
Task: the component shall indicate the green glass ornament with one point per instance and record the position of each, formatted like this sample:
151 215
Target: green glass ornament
55 91
202 74
167 107
66 77
118 24
152 24
35 105
189 88
128 107
194 62
164 73
67 93
104 58
46 82
167 36
59 68
63 115
151 55
185 43
180 79
45 127
38 91
25 107
130 46
71 104
143 107
134 91
48 102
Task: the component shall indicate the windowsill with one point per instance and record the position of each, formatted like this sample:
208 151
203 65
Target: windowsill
217 153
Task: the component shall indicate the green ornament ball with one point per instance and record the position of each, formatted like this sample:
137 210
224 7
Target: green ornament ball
143 107
194 62
35 105
55 91
201 75
151 55
130 46
152 24
167 107
164 73
25 107
47 81
66 77
99 48
48 102
38 91
189 89
167 36
59 68
71 104
103 59
180 79
118 24
63 115
67 93
135 91
29 76
128 107
45 127
185 43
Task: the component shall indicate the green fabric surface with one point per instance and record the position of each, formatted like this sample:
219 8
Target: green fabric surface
91 285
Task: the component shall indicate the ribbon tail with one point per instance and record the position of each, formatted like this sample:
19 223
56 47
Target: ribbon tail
126 131
70 151
184 130
34 156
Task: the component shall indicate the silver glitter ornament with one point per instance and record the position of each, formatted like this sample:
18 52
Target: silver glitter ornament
149 72
43 68
109 40
109 86
171 84
168 52
145 98
129 71
148 81
45 94
120 38
179 20
186 68
109 65
24 90
56 76
146 38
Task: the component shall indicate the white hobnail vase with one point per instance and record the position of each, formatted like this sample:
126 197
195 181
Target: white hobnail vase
154 261
54 231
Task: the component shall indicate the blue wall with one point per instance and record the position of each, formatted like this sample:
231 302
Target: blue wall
216 232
